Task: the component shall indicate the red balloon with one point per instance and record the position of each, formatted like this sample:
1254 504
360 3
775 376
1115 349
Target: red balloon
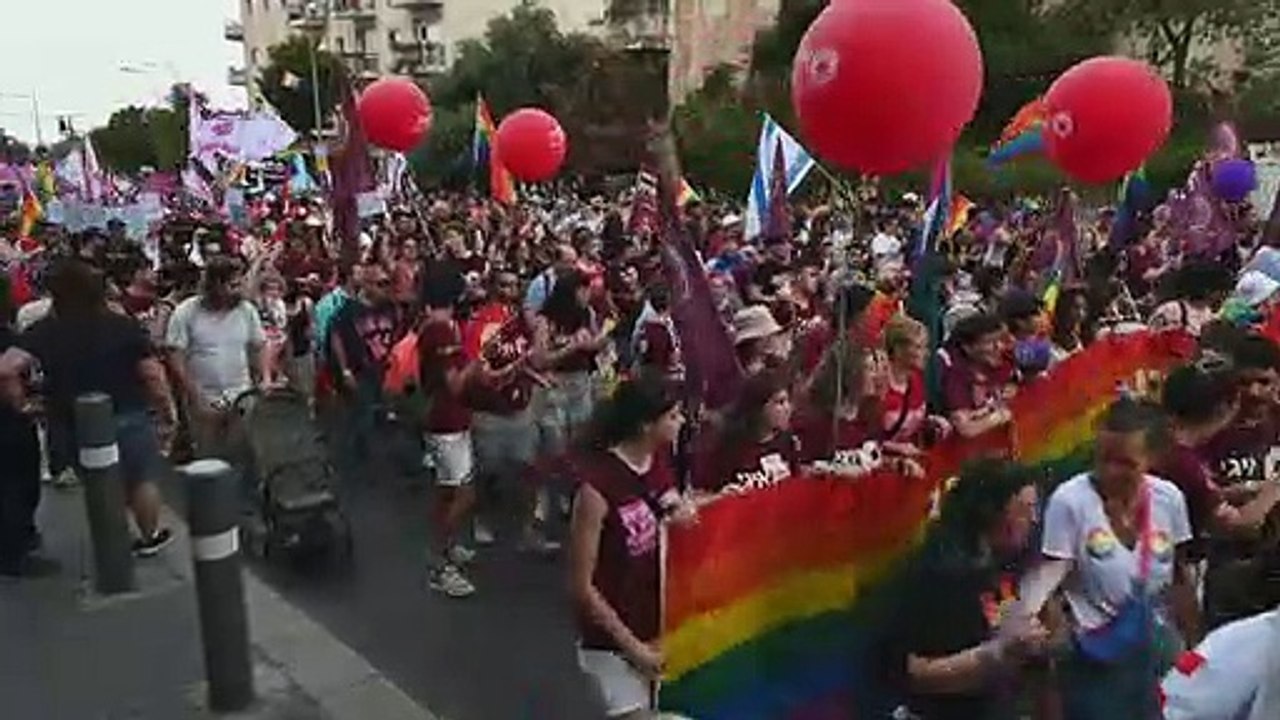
1106 116
882 86
532 144
395 113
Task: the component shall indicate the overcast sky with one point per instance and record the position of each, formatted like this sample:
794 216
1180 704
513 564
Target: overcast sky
69 53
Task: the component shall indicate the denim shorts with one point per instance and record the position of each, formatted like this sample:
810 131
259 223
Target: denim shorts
140 457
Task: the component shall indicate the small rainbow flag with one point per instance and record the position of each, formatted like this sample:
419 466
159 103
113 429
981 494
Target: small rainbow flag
686 194
961 206
1023 135
774 601
31 213
501 185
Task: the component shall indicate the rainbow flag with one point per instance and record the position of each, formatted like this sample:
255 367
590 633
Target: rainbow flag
1022 135
961 206
31 213
501 185
774 601
686 194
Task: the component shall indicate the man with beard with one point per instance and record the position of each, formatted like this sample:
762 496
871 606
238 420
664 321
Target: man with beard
216 338
360 342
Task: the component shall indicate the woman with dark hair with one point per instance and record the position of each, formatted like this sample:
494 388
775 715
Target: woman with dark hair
83 347
625 489
566 340
1070 330
953 642
1195 291
1115 542
754 446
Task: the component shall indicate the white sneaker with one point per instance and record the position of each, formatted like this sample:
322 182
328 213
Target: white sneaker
483 534
461 555
66 479
449 580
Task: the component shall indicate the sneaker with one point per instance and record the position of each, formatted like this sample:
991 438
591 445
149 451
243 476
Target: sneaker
534 542
152 546
66 479
32 567
483 534
448 579
461 555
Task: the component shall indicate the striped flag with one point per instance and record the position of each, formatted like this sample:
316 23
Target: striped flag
687 194
502 186
796 163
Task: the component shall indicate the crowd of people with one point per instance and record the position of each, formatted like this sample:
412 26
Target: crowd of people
537 347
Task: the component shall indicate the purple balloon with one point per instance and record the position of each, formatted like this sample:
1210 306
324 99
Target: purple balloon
1234 179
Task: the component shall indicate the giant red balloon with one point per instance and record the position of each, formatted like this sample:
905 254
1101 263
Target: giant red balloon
1106 116
882 86
532 144
394 113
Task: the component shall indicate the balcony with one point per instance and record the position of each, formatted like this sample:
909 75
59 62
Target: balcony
361 12
233 31
361 64
237 77
307 16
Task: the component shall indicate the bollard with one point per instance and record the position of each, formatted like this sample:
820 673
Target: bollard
104 494
213 510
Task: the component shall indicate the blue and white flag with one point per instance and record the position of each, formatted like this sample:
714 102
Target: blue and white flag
796 161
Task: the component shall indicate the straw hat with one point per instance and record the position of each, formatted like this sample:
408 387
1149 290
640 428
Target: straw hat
753 323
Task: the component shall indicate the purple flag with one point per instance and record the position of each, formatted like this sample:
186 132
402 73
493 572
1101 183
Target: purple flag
351 176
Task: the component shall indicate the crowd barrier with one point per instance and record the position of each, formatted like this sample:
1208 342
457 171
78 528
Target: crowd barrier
772 600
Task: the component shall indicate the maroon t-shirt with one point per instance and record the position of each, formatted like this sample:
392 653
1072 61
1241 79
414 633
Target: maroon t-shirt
756 464
1185 467
822 439
627 570
1243 452
440 350
501 345
658 348
965 386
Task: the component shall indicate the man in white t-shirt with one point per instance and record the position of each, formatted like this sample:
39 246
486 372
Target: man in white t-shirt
216 338
1233 675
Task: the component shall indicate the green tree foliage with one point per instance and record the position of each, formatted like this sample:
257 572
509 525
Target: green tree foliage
523 59
137 137
1174 32
717 135
445 158
286 82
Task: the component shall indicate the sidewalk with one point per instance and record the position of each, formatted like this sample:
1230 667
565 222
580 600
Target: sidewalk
66 654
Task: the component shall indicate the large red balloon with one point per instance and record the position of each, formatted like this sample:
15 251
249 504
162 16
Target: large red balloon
532 144
395 113
1106 116
883 86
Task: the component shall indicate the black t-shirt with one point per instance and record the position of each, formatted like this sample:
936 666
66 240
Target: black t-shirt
951 605
10 416
99 353
367 333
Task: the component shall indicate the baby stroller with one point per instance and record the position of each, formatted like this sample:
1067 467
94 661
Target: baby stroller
297 511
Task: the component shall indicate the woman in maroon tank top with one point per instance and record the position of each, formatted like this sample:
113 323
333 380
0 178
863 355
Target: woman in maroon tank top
625 488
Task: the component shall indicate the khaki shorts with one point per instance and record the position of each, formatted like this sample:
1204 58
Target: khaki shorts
453 457
622 687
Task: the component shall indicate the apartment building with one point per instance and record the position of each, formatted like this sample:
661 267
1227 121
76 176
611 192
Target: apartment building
379 37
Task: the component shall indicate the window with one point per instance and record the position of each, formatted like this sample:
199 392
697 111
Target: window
255 57
248 8
341 43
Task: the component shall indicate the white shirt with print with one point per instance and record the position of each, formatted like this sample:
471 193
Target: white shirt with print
1076 528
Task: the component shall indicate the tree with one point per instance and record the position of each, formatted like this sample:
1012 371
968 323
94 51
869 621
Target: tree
286 82
124 144
13 150
1171 31
716 133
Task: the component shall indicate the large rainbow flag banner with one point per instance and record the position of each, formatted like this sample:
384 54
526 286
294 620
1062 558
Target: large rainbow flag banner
773 599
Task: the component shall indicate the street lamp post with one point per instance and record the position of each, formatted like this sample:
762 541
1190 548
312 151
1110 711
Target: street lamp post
35 111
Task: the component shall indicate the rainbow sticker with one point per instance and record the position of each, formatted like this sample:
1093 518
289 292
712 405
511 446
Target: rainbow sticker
1161 546
1100 543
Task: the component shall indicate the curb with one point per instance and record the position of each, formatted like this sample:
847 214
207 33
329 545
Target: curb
342 682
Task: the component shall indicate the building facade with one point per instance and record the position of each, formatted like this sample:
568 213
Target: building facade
417 38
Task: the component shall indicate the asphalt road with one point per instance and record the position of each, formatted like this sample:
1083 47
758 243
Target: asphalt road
506 653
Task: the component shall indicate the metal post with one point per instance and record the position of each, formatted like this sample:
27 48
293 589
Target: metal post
104 494
213 509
